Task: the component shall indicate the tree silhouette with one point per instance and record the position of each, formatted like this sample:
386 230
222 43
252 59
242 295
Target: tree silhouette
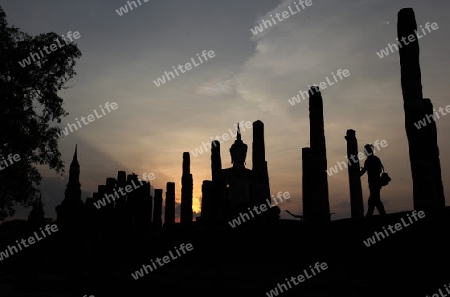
30 110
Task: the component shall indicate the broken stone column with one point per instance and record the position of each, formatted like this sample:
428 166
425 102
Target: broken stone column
356 197
145 215
308 210
428 191
157 212
186 191
259 162
216 188
169 211
207 205
319 156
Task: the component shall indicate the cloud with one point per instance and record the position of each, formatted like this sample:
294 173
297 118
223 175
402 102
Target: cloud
223 84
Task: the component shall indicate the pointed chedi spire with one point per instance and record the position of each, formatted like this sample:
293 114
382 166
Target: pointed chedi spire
238 134
73 189
75 157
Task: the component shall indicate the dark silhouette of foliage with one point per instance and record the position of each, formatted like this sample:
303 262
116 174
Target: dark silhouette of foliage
30 110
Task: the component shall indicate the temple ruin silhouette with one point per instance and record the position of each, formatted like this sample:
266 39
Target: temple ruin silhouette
111 241
231 191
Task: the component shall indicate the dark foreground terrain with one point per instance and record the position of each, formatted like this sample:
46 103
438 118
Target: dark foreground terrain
413 261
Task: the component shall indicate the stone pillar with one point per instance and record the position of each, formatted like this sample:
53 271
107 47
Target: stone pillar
258 149
145 213
132 206
186 191
307 184
157 212
428 191
259 162
216 187
356 197
319 156
207 206
169 212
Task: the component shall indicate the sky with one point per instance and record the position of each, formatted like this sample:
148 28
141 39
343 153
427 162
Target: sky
250 77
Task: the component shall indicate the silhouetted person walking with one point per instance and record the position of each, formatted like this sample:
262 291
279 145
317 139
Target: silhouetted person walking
374 167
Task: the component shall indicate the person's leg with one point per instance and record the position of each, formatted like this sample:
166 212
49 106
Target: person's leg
379 204
371 207
380 208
